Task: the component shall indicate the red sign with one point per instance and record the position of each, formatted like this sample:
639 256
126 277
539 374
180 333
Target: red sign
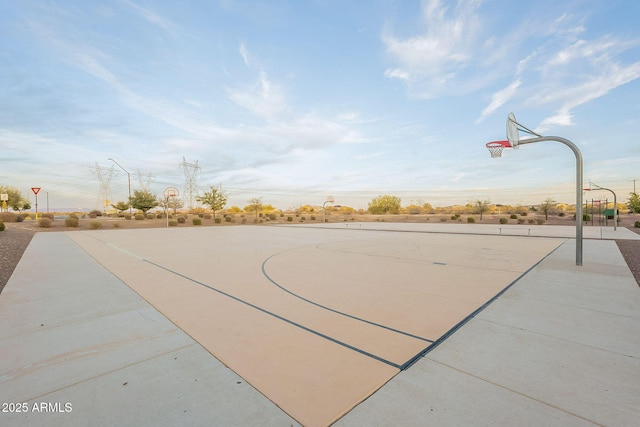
35 190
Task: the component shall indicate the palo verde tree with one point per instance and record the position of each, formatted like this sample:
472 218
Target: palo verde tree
120 206
143 200
481 206
214 198
385 204
15 199
255 204
634 203
546 206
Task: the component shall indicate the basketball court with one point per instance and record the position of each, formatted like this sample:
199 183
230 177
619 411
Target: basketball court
316 319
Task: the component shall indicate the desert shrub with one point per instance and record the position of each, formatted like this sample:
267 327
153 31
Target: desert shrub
523 213
471 220
513 216
504 220
196 221
636 224
312 218
19 218
302 218
443 219
539 221
159 216
228 218
244 220
272 217
95 225
139 217
71 221
182 220
289 218
2 226
561 214
127 216
8 217
218 220
45 222
520 220
95 213
173 223
48 215
151 216
532 221
208 216
116 225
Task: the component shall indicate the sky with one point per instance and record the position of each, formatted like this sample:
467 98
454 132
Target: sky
295 101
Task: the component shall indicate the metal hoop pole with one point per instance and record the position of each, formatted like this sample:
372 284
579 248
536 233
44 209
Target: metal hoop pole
578 154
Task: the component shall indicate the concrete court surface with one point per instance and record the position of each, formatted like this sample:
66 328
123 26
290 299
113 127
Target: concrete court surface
315 374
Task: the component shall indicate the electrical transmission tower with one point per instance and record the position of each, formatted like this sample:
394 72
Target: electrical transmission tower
145 180
191 171
104 176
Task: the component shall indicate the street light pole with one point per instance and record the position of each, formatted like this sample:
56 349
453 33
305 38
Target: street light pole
128 179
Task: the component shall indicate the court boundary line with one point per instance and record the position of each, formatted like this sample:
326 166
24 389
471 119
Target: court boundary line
370 322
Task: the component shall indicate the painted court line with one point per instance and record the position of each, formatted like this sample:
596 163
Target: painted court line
335 300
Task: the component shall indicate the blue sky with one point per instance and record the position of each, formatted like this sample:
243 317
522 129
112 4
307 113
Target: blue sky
292 101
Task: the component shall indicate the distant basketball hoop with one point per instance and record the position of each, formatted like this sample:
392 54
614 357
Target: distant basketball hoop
170 192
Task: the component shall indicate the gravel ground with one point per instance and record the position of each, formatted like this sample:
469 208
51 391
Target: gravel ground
16 237
13 242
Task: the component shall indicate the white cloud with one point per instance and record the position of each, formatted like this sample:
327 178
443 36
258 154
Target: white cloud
499 99
244 53
430 63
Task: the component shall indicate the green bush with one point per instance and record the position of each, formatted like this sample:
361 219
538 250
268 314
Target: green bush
208 216
71 221
539 221
182 220
218 220
471 220
151 216
45 222
196 221
513 216
159 216
95 225
227 218
19 218
636 224
289 218
2 226
313 218
116 225
520 220
504 220
139 217
127 216
173 223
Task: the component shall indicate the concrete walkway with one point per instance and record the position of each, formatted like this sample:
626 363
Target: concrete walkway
560 347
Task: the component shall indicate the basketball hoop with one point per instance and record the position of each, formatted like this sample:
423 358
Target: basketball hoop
495 147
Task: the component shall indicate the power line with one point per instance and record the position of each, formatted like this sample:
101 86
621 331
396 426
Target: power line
191 171
104 176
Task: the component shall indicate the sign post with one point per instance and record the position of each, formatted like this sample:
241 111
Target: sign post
4 197
35 191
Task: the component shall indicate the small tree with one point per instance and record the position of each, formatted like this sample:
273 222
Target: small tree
634 203
143 200
120 206
15 199
255 204
384 204
481 206
215 199
546 206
